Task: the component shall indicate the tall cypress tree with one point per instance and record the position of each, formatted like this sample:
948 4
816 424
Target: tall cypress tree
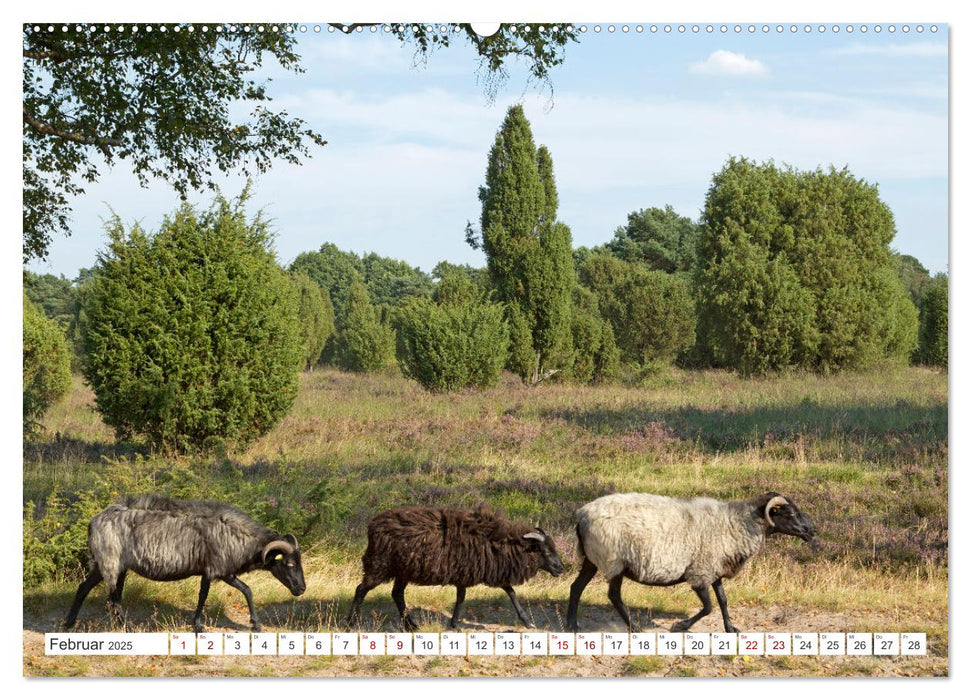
529 252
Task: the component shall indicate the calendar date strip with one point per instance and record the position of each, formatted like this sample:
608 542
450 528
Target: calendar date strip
467 644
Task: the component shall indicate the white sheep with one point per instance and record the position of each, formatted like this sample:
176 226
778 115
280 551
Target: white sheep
661 541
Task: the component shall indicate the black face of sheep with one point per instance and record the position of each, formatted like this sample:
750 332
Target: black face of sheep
661 541
451 547
551 562
783 517
167 540
283 562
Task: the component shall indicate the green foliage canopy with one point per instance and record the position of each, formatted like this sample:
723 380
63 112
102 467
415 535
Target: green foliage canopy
159 100
191 334
479 276
651 313
55 296
914 275
662 239
388 281
596 357
334 270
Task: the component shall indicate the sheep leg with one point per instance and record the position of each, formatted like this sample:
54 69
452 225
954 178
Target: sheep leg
613 594
519 608
93 579
702 593
457 611
723 604
244 589
363 588
114 597
197 625
398 596
587 572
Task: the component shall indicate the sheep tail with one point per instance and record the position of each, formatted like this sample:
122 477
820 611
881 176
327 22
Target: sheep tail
580 542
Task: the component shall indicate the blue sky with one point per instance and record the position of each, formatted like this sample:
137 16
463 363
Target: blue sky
634 121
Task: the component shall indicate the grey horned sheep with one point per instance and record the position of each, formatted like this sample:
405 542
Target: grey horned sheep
661 541
167 540
450 547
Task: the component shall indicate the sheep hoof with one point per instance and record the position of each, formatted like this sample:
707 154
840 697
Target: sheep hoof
409 624
732 629
198 628
257 627
530 626
680 627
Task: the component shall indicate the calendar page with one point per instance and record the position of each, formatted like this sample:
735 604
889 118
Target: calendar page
420 349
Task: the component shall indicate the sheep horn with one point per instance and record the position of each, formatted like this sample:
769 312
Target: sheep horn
534 536
281 545
773 502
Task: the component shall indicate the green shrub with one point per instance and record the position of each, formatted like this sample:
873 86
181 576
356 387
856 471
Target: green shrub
190 334
365 343
460 340
654 318
932 349
651 313
47 365
596 357
56 539
795 271
316 315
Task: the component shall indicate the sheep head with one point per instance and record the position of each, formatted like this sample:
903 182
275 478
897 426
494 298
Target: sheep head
542 543
282 559
782 516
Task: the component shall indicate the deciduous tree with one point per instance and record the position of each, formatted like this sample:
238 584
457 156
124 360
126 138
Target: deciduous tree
162 98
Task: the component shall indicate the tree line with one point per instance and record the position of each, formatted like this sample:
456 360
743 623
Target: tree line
195 334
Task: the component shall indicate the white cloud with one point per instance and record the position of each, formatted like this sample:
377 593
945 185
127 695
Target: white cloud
723 62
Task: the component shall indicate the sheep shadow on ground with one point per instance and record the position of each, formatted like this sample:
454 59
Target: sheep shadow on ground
45 612
497 615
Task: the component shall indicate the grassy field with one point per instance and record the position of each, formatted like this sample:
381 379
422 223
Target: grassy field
865 455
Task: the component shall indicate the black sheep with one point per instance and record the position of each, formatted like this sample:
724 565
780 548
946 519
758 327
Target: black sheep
449 547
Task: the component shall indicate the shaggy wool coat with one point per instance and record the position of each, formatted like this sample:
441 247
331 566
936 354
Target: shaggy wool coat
435 546
165 540
658 540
